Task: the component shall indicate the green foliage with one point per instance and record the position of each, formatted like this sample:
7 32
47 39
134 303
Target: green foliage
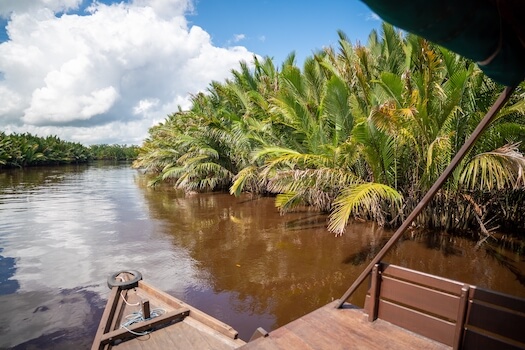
363 199
358 131
114 152
22 150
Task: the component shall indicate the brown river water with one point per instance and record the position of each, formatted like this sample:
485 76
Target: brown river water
63 230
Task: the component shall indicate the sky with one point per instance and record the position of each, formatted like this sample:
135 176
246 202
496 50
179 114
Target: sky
104 72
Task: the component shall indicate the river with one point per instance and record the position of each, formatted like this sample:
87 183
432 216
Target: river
63 230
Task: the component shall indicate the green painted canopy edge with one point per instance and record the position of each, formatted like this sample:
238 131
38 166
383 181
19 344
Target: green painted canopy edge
476 29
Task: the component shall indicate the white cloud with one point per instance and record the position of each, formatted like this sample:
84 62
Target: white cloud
105 76
145 105
167 8
238 37
373 17
22 6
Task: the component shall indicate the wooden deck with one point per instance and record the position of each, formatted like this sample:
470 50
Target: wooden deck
178 325
186 334
404 309
345 328
407 309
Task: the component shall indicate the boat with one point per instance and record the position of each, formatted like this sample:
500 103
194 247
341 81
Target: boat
404 309
138 315
408 309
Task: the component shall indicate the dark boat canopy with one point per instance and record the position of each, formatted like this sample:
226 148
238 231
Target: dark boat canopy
490 32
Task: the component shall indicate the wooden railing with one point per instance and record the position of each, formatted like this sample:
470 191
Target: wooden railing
450 312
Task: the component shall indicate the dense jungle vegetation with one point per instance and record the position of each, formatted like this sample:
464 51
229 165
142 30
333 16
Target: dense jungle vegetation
359 131
22 150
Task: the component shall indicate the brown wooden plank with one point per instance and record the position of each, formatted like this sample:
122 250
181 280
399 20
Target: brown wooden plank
194 312
133 344
261 344
259 332
178 336
495 319
375 288
160 295
139 327
214 338
286 339
159 339
315 334
431 281
107 315
347 329
421 298
193 338
375 335
349 325
497 298
181 336
473 340
197 339
462 314
279 339
420 323
213 323
119 310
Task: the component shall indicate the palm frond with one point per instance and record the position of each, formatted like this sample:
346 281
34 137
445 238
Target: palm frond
498 169
366 198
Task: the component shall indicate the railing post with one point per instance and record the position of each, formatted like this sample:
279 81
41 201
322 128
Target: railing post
375 287
462 315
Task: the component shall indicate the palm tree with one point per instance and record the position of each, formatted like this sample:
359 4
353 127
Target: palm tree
359 132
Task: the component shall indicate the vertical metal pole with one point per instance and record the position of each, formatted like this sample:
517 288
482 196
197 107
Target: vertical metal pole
146 311
502 99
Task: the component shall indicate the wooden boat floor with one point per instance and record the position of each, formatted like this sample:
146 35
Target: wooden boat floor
187 334
194 331
345 328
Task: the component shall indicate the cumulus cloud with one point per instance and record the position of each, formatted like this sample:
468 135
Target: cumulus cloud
22 6
106 74
167 8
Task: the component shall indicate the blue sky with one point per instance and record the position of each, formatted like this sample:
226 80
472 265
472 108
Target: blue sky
276 27
105 71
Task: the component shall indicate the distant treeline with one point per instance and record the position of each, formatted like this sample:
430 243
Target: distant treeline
22 150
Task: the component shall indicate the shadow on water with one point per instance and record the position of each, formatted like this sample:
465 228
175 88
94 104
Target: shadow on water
67 320
438 241
366 253
7 271
11 179
429 240
312 221
510 264
448 246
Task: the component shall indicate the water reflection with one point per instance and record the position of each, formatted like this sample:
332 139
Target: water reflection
64 230
8 285
273 269
37 320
